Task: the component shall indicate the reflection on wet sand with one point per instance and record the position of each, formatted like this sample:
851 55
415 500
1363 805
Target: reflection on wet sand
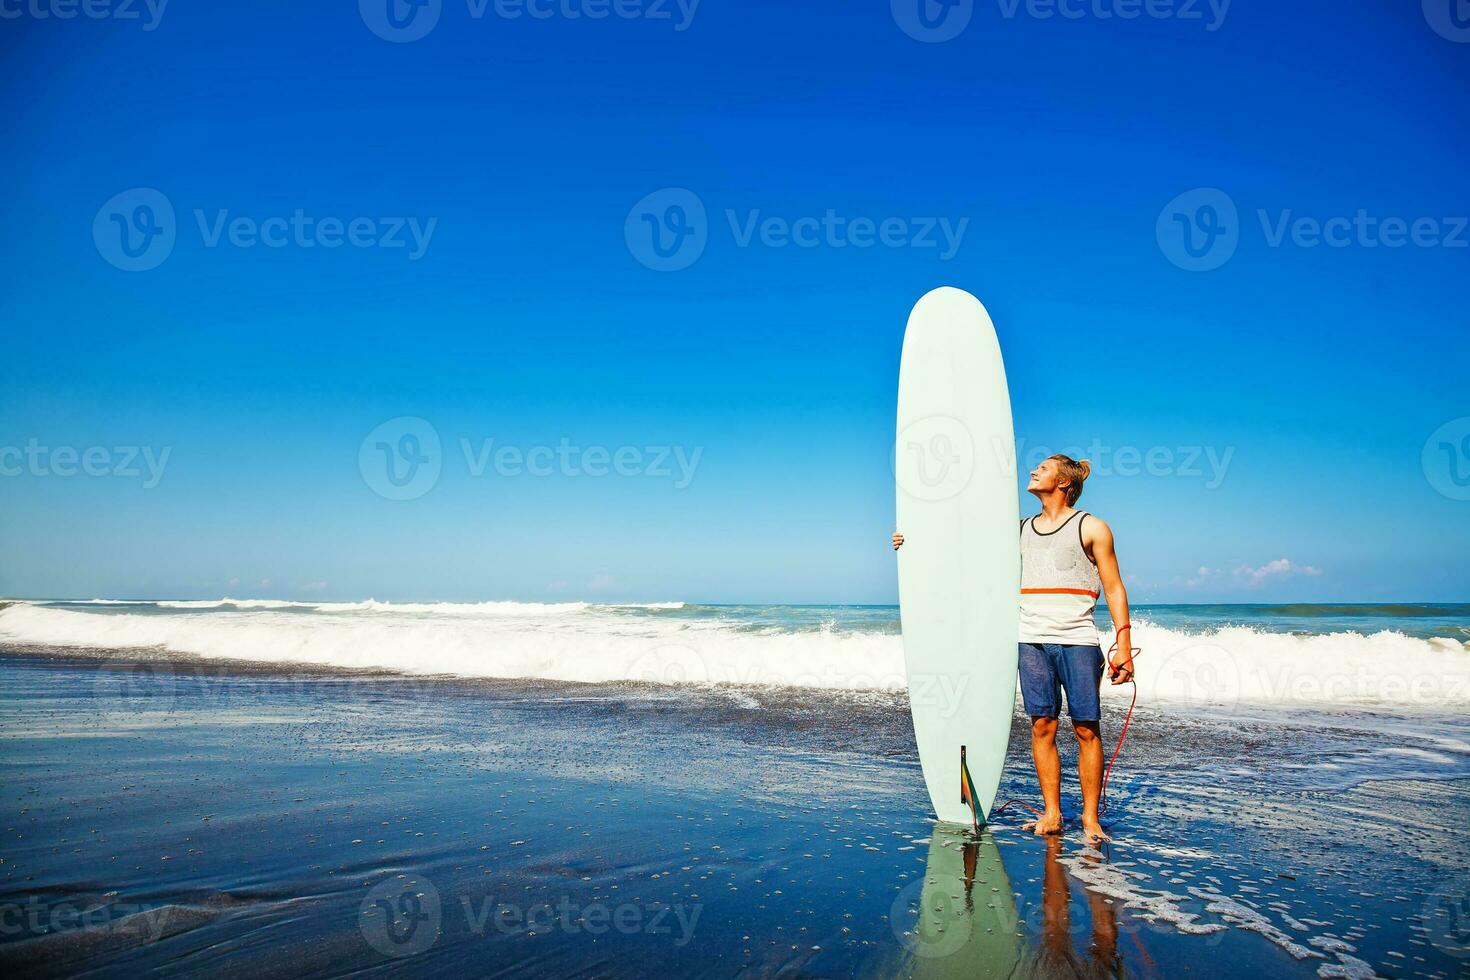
1056 956
966 922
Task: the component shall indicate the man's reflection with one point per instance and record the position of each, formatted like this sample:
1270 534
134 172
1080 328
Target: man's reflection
1056 955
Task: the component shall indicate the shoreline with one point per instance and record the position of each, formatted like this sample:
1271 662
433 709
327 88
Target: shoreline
797 828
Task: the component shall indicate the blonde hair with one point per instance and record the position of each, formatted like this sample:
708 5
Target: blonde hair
1073 473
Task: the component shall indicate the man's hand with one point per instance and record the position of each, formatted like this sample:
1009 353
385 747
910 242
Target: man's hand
897 541
1120 668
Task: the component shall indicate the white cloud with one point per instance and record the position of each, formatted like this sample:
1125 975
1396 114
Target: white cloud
1281 566
599 583
1248 577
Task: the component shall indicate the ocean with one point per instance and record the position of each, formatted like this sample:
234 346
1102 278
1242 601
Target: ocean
326 788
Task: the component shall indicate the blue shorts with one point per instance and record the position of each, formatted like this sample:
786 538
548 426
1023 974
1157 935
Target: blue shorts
1048 669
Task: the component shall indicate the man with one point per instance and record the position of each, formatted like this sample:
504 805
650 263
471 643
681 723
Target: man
1067 559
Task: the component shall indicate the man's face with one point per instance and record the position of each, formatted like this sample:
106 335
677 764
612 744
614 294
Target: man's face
1044 477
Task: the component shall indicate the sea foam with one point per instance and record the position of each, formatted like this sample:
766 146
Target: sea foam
588 642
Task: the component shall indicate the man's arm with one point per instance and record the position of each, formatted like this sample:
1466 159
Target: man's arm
1097 538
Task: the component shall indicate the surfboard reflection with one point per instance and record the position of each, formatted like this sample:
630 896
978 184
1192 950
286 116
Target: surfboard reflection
967 923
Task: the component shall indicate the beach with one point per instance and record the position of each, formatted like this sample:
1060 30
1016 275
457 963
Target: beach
318 810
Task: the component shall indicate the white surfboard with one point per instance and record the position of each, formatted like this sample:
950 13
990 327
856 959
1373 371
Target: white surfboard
959 569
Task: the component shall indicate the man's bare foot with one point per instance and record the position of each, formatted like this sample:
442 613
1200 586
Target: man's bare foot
1044 825
1092 832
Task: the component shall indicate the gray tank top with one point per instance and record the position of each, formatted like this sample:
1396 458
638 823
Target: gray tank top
1059 584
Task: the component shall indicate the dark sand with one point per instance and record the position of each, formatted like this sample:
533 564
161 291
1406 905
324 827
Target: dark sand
237 820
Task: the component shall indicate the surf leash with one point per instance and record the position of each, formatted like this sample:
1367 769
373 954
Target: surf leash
1133 652
1102 797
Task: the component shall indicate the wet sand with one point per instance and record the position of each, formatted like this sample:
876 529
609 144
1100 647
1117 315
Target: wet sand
232 818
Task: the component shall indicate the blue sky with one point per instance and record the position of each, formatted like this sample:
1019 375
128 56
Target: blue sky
525 312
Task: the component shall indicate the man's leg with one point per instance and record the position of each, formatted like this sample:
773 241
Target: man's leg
1081 668
1041 694
1090 773
1048 773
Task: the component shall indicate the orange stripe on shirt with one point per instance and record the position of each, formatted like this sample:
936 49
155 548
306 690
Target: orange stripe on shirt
1086 592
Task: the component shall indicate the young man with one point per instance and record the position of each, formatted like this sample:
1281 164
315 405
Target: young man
1067 559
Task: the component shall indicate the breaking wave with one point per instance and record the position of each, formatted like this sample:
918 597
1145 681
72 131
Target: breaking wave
675 643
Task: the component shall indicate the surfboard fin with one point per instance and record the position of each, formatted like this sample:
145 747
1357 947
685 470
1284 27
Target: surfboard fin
967 791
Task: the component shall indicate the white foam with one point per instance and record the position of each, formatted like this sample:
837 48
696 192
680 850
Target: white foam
579 641
1117 882
1240 665
1251 920
222 603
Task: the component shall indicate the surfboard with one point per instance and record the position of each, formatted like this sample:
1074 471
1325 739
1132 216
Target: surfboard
960 566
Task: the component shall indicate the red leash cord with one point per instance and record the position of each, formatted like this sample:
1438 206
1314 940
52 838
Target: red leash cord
1102 800
1133 652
